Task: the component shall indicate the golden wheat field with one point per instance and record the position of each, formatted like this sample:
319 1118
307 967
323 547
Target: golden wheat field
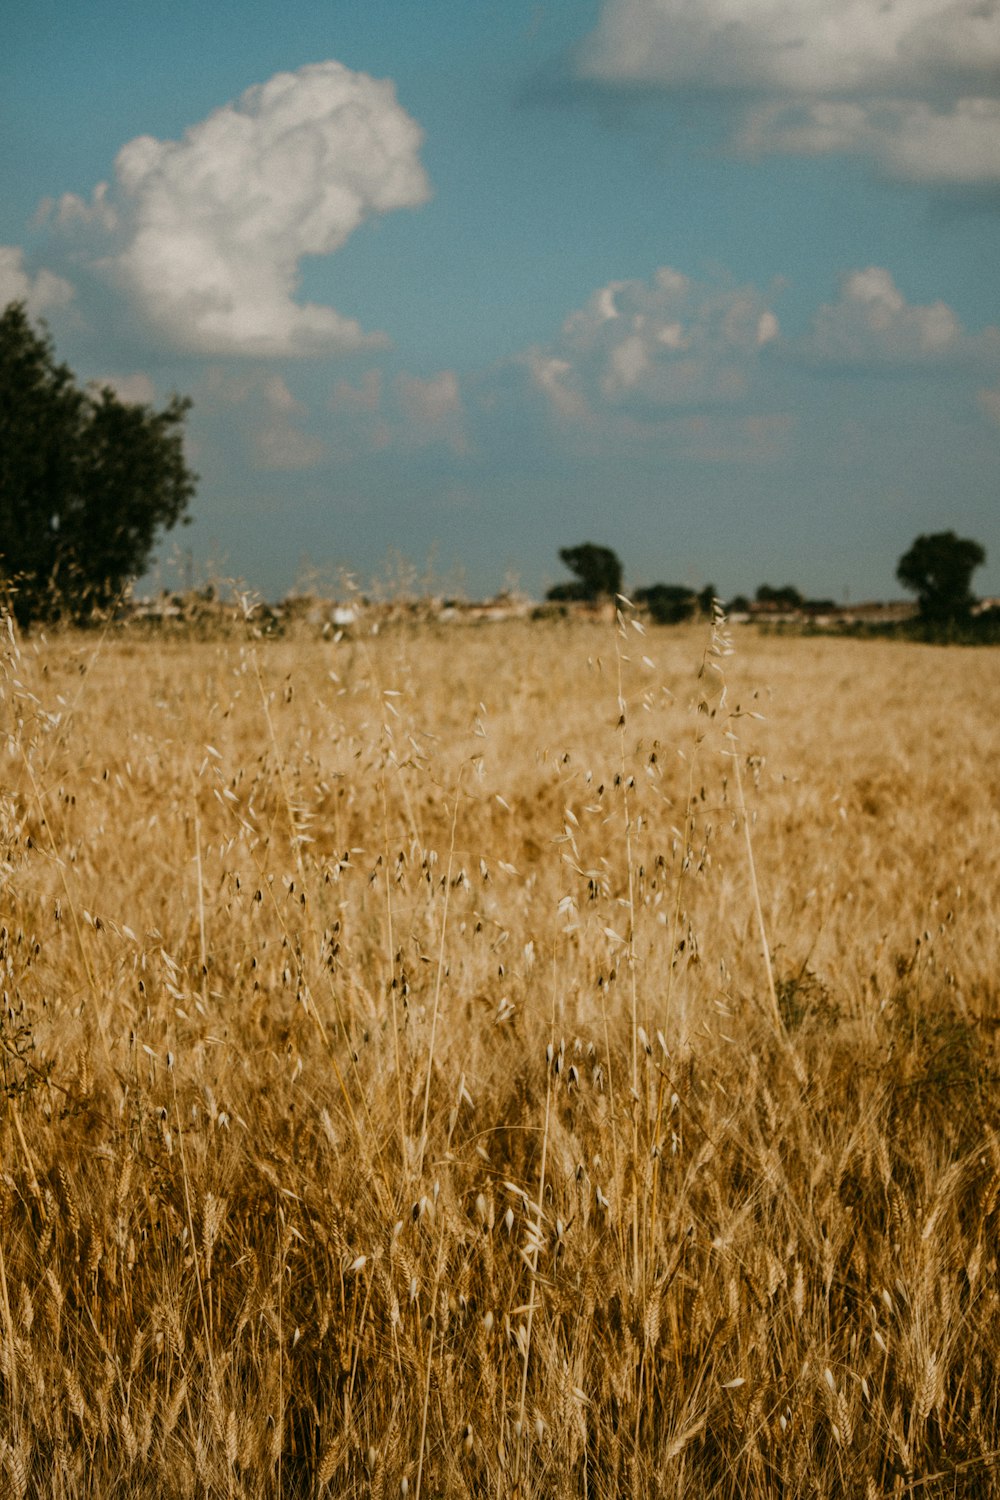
537 1059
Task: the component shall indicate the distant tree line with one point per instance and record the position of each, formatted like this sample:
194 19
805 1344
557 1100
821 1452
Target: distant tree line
598 574
938 568
88 483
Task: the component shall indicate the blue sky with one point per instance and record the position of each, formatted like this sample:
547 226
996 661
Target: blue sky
712 283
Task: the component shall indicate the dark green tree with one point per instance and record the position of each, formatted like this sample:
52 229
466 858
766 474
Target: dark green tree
787 597
668 603
598 574
938 568
87 482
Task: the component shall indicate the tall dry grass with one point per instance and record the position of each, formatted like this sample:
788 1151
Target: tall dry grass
532 1060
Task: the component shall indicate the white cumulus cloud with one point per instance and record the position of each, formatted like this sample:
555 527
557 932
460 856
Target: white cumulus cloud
42 291
557 381
872 324
912 83
216 224
666 344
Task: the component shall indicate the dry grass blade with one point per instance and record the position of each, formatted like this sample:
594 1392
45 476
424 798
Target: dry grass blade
600 1106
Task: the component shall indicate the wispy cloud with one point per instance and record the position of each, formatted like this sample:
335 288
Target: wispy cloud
70 210
957 145
135 388
912 84
806 47
42 291
989 402
271 422
212 227
365 396
433 409
405 412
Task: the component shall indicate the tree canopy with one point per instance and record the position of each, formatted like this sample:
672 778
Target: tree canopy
938 568
786 597
668 603
598 574
87 481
